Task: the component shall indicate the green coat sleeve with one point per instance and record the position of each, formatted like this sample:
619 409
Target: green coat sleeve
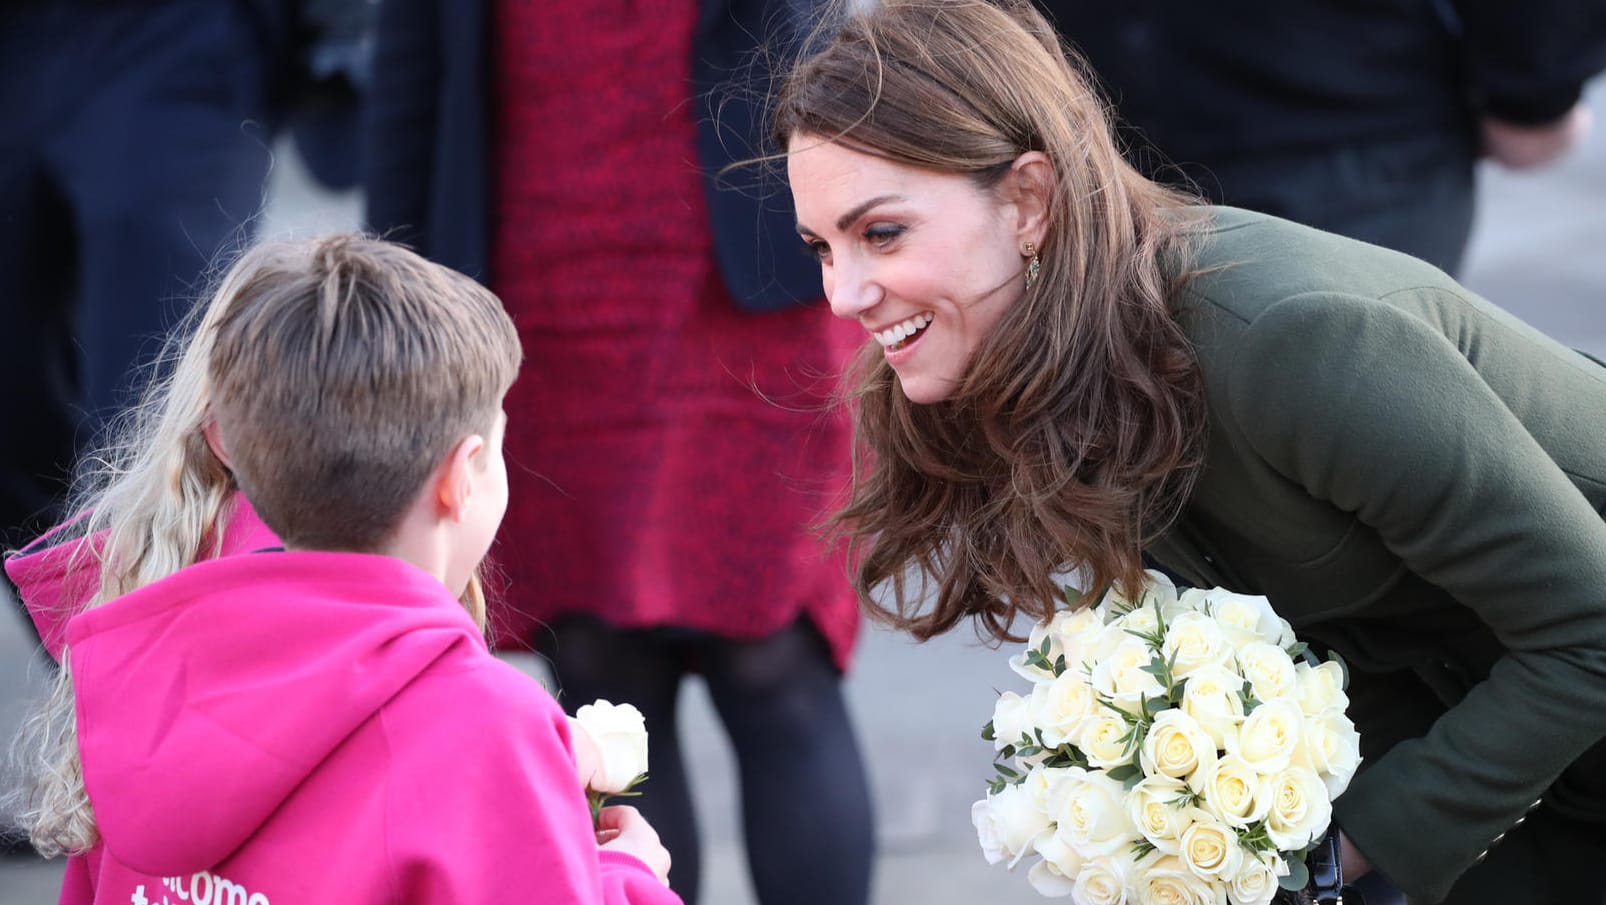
1381 414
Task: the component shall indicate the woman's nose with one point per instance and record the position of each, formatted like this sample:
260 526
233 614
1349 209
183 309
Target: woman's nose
851 291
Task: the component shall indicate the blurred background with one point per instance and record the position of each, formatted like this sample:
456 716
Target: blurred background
1537 248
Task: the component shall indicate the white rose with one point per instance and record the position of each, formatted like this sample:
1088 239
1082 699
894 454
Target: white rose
1269 669
1214 698
1233 792
1159 809
1254 884
1157 590
1120 676
1320 688
1193 642
1042 785
620 734
1104 739
1082 635
1060 855
1059 708
1300 809
1008 824
1103 881
1194 600
1049 880
1211 850
1246 618
1168 881
1092 815
1034 641
1269 737
1329 744
1176 745
1012 720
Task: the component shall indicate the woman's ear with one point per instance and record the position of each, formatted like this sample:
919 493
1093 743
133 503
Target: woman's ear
214 439
455 483
1030 187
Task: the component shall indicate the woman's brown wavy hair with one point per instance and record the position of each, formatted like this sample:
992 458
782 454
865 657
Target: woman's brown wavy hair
1077 431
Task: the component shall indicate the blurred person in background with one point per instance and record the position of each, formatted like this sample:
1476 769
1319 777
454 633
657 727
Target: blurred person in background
669 447
1364 119
134 145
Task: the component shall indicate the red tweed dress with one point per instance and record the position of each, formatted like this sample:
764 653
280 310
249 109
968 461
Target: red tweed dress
668 454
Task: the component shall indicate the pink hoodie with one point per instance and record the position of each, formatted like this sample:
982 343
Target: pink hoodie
323 727
54 592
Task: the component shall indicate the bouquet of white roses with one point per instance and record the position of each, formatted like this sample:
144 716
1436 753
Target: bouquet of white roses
1172 749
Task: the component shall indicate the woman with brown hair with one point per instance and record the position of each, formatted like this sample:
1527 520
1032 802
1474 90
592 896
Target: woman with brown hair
1073 366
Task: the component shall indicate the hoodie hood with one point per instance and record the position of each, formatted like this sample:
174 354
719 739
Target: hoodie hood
206 698
55 582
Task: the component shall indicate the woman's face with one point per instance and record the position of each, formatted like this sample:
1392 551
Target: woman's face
927 262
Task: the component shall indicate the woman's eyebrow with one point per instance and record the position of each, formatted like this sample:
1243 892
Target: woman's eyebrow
859 210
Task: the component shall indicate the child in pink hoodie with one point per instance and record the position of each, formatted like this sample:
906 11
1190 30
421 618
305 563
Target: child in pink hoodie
324 722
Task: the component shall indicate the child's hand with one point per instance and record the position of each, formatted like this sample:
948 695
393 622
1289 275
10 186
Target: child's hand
623 829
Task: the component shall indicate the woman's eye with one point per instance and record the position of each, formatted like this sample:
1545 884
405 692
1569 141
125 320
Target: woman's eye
882 234
819 249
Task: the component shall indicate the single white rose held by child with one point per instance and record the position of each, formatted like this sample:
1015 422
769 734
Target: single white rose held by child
620 733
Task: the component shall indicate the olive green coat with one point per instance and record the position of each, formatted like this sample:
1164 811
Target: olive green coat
1416 479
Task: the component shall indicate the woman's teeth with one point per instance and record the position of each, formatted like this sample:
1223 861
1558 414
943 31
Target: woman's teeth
894 335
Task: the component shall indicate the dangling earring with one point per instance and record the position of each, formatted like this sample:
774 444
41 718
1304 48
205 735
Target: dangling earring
1032 266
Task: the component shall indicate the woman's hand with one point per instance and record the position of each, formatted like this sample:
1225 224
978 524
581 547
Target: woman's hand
1354 864
623 829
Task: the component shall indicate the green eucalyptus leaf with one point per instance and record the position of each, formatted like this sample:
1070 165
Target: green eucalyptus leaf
1298 875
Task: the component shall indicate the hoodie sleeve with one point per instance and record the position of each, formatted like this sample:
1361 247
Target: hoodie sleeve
484 805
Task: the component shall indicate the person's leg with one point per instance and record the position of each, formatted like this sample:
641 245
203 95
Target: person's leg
592 660
165 165
37 360
39 78
805 798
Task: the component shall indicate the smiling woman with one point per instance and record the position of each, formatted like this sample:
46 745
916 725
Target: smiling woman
927 192
1072 368
928 263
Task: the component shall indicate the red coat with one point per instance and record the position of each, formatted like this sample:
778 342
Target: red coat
669 455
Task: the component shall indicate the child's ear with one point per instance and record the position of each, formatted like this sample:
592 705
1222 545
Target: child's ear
214 439
456 485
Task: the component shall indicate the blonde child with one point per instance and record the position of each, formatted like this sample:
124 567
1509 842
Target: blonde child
321 723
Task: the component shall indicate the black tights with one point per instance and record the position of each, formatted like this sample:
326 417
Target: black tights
805 801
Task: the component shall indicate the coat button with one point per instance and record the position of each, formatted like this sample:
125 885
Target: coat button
1496 840
1481 855
1535 806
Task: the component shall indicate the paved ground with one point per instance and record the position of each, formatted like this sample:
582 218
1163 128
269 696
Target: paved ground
1540 250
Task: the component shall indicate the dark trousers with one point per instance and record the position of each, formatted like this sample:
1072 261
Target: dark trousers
806 812
133 147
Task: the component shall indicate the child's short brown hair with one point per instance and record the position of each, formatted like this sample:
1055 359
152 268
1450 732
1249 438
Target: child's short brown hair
343 370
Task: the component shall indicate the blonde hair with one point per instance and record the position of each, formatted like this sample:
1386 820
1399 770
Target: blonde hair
286 318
